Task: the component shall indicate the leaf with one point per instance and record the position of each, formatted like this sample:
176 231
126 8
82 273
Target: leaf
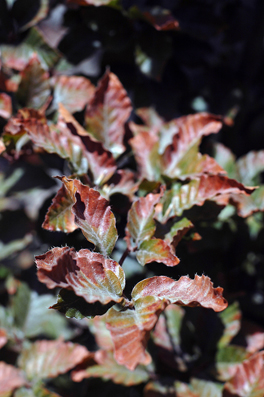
177 231
3 337
156 250
73 91
130 328
249 166
196 192
122 182
227 360
34 88
107 113
60 217
145 147
140 223
97 326
9 249
191 129
88 274
37 391
248 380
130 331
198 388
41 14
95 3
184 292
248 205
5 106
17 57
226 159
10 379
161 19
48 359
231 319
93 215
255 342
156 389
107 368
100 161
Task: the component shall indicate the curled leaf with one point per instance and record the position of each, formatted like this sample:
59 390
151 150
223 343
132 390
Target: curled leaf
93 215
88 274
156 250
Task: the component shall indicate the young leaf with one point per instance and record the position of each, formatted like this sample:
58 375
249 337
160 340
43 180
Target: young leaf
182 197
5 106
10 379
191 129
47 359
60 217
177 231
231 319
140 223
73 91
93 215
248 379
107 368
156 250
107 113
34 88
88 274
130 328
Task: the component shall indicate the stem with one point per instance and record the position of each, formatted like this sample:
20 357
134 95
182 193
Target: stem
123 257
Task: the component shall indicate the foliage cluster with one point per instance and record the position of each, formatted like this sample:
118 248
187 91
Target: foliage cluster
139 200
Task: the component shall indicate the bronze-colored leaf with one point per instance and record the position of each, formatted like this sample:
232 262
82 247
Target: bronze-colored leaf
122 182
156 250
10 379
92 215
48 359
107 113
178 231
5 106
88 274
60 216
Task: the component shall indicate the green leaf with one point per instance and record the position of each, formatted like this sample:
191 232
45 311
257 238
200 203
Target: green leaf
88 274
20 304
107 113
92 215
156 250
108 368
47 359
227 360
34 88
7 250
231 319
199 388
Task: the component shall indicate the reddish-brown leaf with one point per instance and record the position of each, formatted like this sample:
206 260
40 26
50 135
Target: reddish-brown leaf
48 359
190 131
145 147
107 113
88 274
3 337
156 250
249 378
5 106
255 342
184 292
10 379
92 215
140 222
60 217
73 91
122 182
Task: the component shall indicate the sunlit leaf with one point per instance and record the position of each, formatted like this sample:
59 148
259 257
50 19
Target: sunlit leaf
248 380
107 113
5 105
249 166
108 368
191 129
17 57
88 274
231 320
47 359
93 215
10 379
140 223
60 216
156 250
182 197
227 360
73 91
